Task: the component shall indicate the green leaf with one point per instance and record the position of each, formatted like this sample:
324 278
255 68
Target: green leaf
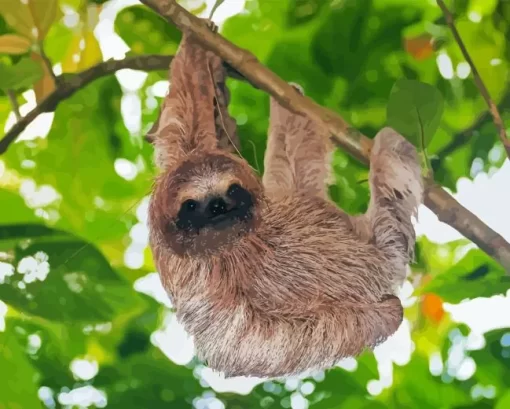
24 74
19 212
60 343
414 383
14 44
476 275
82 146
493 361
146 380
18 16
44 13
145 32
415 109
61 277
18 379
503 402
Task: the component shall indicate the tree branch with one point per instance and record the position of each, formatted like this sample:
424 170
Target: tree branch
437 199
68 84
493 109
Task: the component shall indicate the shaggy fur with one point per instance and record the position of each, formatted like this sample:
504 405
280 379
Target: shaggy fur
293 283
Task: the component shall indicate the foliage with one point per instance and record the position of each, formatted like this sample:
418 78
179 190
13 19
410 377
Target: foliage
72 236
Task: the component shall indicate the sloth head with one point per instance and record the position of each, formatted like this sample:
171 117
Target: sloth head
206 204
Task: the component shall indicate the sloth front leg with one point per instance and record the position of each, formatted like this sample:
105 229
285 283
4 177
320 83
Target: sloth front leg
396 191
187 121
298 151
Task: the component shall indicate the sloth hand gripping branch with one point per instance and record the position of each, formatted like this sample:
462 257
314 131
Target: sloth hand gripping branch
270 277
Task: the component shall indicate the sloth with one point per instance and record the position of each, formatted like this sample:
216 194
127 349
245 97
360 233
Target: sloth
268 275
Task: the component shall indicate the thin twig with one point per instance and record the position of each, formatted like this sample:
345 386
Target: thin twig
48 63
493 109
14 102
217 4
437 199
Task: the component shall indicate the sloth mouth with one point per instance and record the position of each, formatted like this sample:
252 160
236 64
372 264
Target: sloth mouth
235 215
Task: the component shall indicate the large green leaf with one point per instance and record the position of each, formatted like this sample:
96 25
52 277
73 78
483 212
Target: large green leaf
56 345
493 361
476 275
145 32
61 277
18 379
415 110
77 160
23 74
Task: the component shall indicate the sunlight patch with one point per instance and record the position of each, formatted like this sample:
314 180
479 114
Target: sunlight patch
75 281
83 397
6 270
84 369
34 267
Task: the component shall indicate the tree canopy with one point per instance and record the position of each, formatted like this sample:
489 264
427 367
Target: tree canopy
77 317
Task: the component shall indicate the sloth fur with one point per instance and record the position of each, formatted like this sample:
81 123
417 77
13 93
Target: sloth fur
268 276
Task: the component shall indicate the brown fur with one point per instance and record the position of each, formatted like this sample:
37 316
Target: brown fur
301 284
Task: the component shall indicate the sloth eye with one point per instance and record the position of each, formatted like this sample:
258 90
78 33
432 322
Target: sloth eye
190 205
233 189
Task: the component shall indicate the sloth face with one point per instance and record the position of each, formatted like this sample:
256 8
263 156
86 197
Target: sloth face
216 211
206 204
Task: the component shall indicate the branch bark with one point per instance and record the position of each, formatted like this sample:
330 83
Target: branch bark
493 109
447 209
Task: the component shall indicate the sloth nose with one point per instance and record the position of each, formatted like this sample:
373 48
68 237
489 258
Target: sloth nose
217 206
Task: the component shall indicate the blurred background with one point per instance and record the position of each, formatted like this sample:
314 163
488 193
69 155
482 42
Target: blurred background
84 321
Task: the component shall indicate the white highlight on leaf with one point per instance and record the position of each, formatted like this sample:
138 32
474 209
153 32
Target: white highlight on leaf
292 383
125 169
131 80
38 128
349 364
208 402
6 270
84 369
151 285
463 70
435 364
476 167
475 17
445 66
374 387
34 343
173 341
307 388
36 197
496 61
131 110
134 257
34 267
3 313
298 401
75 281
139 234
466 369
83 397
160 89
45 394
142 210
